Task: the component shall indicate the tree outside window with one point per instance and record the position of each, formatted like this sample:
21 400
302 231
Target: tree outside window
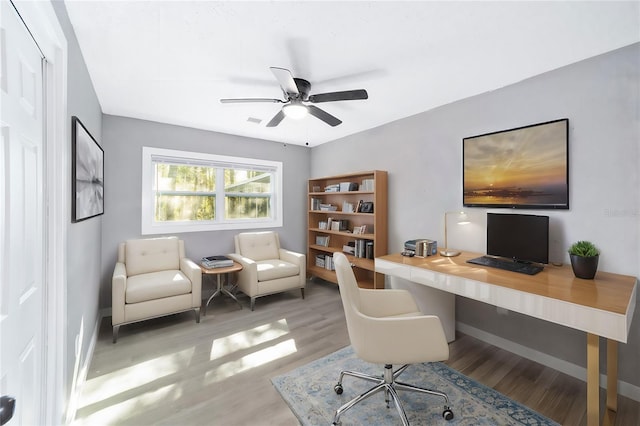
188 192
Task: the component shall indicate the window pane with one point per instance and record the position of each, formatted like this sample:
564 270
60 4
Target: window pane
192 192
184 207
243 207
246 181
176 177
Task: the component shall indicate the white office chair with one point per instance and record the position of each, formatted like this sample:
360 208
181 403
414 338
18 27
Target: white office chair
386 327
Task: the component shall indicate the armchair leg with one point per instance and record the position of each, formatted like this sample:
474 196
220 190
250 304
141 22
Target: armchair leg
302 292
197 315
253 303
116 328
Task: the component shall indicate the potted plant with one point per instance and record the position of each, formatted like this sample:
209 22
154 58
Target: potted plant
584 259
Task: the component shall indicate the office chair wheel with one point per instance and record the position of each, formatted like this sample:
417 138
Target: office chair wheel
338 389
447 414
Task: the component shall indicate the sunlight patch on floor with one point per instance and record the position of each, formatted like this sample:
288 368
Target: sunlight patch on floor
116 413
108 385
248 338
250 361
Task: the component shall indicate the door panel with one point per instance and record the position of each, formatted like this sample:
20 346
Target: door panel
21 231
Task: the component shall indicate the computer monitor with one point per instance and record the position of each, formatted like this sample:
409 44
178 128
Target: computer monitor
520 237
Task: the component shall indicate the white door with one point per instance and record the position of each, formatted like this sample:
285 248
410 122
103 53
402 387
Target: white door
21 214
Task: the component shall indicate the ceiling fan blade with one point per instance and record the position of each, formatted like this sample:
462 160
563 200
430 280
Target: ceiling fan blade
323 115
285 79
276 119
348 95
247 100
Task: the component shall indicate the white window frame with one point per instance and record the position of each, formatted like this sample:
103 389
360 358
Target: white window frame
150 226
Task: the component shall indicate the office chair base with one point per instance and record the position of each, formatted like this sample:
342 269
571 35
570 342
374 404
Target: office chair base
389 385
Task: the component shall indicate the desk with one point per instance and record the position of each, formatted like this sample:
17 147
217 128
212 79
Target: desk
602 307
218 272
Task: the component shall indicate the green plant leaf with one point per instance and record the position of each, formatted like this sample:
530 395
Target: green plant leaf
584 249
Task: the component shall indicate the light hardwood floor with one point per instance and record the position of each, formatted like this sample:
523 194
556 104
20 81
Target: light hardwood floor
172 371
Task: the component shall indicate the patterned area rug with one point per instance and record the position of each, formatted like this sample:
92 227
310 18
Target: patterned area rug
309 392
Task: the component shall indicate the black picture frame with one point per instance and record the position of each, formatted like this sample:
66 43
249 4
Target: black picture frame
521 168
87 174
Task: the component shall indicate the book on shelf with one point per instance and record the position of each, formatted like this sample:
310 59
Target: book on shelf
211 262
328 208
368 185
328 263
332 188
348 207
349 248
348 186
363 249
315 204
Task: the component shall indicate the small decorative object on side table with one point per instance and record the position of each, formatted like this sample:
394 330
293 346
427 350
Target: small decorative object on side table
220 289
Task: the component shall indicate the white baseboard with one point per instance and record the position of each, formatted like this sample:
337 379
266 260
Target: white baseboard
81 378
625 389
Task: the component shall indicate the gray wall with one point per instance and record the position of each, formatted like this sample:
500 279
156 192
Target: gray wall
84 239
423 153
124 139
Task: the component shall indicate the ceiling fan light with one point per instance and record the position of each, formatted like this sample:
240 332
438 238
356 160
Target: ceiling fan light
295 111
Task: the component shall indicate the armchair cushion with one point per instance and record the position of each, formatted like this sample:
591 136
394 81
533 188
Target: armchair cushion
152 255
259 245
156 285
274 268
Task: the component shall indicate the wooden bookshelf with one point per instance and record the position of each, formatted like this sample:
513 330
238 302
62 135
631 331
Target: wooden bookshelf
370 186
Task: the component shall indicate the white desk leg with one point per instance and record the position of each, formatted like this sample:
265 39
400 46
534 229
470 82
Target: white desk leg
593 379
432 301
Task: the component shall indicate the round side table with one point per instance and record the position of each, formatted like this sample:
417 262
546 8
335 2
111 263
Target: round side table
218 272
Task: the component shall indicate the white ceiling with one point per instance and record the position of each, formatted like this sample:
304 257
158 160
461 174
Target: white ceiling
171 61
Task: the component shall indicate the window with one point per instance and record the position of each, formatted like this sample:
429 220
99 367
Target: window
188 192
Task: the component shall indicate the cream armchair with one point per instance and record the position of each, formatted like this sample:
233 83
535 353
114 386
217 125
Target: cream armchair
387 327
153 278
267 268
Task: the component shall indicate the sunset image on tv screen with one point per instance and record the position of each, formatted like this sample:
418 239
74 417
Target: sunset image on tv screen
518 168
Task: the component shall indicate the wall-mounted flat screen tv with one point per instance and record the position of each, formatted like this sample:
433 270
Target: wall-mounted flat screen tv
525 167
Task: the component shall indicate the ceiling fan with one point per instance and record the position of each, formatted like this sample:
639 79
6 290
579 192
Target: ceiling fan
296 92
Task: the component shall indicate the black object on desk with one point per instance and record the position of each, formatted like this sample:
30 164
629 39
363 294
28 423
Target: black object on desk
507 265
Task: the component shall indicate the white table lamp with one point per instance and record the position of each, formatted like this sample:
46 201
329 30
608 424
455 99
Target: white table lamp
462 220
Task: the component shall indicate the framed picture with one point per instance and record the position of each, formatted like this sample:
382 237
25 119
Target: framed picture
526 167
87 173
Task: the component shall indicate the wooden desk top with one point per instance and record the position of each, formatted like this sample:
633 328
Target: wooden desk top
603 306
609 292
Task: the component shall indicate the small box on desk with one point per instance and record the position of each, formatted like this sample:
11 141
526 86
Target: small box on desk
422 247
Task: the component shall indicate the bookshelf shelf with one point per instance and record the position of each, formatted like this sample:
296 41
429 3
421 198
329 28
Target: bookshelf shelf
366 232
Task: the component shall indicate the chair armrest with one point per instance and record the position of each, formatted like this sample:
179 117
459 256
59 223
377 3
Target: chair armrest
297 259
194 273
118 290
404 340
292 256
384 303
248 276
